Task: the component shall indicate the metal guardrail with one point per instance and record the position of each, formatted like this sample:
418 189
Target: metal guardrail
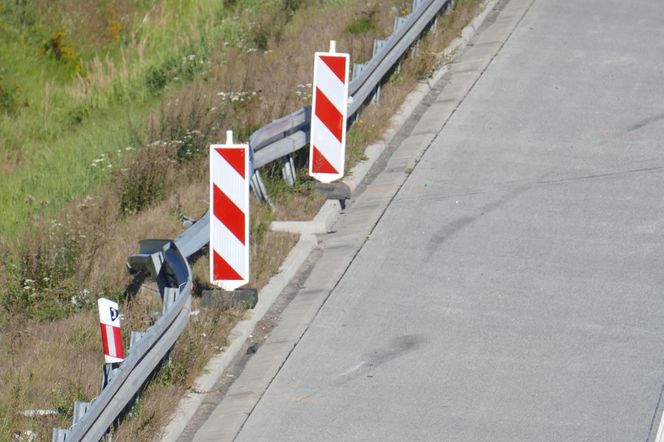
167 261
283 137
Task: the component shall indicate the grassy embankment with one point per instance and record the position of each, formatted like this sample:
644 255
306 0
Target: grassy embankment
117 127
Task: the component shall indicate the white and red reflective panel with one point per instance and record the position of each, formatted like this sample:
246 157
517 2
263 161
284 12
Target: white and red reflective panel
327 151
111 336
229 214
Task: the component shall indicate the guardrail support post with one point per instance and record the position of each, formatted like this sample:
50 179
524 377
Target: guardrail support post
258 187
288 170
377 45
59 435
107 374
79 410
170 293
134 337
376 95
357 69
399 21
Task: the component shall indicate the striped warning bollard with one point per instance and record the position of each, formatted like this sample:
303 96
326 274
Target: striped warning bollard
229 209
111 334
327 150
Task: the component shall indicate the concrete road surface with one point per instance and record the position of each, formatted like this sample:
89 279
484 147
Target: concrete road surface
502 276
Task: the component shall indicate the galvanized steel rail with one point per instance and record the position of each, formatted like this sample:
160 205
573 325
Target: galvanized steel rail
167 261
281 138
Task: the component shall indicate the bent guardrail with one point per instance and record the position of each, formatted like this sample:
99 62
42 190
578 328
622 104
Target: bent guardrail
167 261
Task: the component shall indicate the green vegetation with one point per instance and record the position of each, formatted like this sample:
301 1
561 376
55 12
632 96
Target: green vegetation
360 26
71 92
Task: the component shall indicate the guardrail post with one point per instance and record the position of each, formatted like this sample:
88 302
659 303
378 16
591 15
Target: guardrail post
376 95
107 373
134 337
357 69
59 435
258 187
288 170
80 409
170 293
399 21
377 45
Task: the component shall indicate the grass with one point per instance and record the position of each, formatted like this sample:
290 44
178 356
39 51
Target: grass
62 99
69 239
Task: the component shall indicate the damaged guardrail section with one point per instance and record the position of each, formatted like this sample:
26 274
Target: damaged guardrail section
167 261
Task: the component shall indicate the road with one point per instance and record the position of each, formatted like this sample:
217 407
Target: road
500 278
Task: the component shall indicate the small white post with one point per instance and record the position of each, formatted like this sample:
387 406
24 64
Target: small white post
229 137
333 46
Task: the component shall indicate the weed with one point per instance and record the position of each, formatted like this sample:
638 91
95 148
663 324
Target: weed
291 6
80 335
60 48
78 114
19 11
165 374
8 97
49 256
357 139
62 398
114 26
156 79
143 183
360 26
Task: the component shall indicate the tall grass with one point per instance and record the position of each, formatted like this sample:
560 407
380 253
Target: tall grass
69 101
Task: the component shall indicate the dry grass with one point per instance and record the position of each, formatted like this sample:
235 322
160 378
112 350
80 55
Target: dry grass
47 366
165 179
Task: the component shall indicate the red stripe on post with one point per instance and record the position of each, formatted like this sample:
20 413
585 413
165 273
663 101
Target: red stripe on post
228 213
117 336
222 270
336 65
104 338
234 157
320 164
329 115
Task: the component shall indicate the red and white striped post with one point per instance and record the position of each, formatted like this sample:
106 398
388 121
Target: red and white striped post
229 214
111 336
327 151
